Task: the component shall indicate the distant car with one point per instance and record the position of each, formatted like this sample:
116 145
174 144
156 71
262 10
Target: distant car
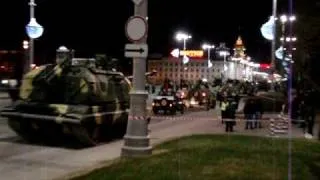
203 98
168 104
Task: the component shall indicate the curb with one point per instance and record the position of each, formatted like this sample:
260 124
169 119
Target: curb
87 170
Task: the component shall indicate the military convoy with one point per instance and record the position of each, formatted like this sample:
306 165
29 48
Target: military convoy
168 103
73 97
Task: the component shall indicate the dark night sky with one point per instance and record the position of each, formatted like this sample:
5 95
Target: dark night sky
98 26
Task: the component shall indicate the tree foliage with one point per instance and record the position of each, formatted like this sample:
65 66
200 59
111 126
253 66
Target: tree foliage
307 29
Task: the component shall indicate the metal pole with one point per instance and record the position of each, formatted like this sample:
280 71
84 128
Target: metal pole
283 33
224 65
209 50
290 96
273 45
137 140
184 48
31 43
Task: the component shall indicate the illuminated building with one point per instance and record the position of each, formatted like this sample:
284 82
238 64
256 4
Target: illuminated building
197 68
191 72
240 67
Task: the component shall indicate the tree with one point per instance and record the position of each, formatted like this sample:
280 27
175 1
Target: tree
307 30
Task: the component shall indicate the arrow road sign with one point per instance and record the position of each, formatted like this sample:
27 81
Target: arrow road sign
136 50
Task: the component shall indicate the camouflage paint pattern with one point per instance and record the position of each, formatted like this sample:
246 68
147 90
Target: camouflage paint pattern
84 99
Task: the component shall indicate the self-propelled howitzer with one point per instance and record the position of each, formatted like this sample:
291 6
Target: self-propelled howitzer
64 99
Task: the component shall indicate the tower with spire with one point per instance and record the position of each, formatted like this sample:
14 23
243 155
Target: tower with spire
239 50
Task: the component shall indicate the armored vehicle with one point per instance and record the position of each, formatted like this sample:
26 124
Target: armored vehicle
73 97
167 102
200 95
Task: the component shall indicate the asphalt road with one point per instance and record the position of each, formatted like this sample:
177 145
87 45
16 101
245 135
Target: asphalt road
22 161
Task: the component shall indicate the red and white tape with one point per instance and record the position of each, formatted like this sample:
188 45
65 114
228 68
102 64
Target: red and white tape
136 118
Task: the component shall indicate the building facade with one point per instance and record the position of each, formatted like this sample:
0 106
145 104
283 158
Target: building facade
238 66
191 72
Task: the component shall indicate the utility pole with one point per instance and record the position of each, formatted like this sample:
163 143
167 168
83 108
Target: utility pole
137 140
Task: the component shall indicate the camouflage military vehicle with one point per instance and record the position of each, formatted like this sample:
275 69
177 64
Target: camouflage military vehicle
71 97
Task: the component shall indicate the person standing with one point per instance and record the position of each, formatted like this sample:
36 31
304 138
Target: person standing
310 114
258 113
231 114
223 108
249 113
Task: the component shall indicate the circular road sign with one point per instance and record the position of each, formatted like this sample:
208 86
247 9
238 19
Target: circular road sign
136 28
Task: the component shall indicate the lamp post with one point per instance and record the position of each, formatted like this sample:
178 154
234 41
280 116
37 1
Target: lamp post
284 19
25 46
182 37
225 68
208 47
274 32
34 31
223 51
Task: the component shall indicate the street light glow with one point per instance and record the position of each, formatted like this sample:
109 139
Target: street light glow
183 36
285 18
292 18
207 46
291 39
25 44
223 53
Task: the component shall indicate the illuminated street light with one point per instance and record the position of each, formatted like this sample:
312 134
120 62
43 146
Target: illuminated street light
183 37
289 39
25 45
208 47
285 18
34 30
267 29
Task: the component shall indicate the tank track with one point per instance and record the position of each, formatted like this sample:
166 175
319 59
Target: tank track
86 134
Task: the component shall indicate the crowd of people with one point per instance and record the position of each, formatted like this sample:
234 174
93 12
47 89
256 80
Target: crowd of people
302 113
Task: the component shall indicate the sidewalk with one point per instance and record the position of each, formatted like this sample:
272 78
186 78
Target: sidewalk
165 131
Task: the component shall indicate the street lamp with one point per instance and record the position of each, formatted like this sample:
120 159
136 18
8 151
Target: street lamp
183 37
208 47
284 19
34 31
224 53
180 36
25 46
